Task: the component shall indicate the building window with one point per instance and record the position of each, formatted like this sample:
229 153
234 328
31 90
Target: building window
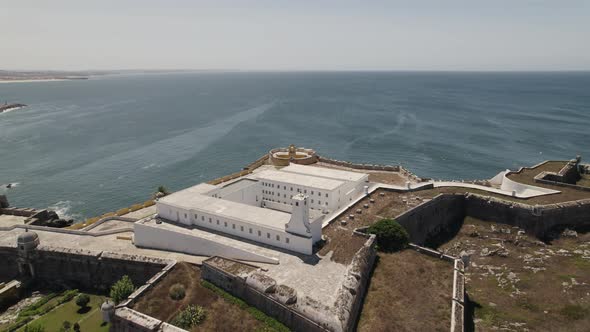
225 223
326 194
312 201
284 195
233 226
209 219
250 230
259 233
296 203
196 217
268 235
326 203
312 192
287 239
291 188
185 216
278 238
305 191
319 202
242 228
217 221
285 187
203 218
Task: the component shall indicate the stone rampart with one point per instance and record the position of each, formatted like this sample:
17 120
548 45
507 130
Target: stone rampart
237 286
301 313
538 220
81 268
427 221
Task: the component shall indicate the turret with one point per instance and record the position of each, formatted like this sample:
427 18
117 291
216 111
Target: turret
299 222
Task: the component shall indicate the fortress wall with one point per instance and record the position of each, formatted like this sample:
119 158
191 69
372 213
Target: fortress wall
86 269
238 287
352 294
388 168
537 220
442 214
305 314
9 269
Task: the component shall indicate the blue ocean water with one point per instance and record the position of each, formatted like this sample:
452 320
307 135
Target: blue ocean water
88 147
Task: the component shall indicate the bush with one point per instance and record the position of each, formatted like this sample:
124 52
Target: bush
191 316
34 328
177 292
82 300
391 236
122 289
67 295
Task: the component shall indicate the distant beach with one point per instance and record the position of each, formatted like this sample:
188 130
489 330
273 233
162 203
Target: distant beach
41 80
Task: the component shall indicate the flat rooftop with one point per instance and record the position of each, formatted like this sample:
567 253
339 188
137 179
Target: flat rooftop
323 172
299 179
243 212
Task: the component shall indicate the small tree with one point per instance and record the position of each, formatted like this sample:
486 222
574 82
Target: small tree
391 236
191 316
66 325
82 300
177 292
76 327
122 289
163 190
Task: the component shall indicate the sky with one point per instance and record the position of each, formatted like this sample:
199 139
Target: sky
295 35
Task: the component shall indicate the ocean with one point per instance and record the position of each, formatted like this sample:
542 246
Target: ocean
86 147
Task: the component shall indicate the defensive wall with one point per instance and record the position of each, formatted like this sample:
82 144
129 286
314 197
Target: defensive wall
371 167
300 313
85 269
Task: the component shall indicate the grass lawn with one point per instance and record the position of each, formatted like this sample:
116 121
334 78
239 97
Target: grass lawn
90 319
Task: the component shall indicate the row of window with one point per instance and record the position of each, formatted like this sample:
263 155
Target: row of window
233 226
272 185
291 203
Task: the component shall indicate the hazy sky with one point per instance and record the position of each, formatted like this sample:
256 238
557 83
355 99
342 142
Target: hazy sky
296 35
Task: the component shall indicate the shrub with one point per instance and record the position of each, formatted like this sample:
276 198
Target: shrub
191 316
177 292
122 289
34 328
66 325
82 300
67 295
76 327
163 190
391 236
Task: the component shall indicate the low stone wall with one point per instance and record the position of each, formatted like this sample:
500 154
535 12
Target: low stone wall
458 295
371 167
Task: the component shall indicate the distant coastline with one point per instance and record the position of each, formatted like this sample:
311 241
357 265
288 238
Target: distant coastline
41 79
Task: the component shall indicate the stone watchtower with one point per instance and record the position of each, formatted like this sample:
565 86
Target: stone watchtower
27 244
107 310
299 222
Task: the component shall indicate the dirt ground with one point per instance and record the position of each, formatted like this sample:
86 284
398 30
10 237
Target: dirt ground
519 283
567 194
221 314
409 291
339 236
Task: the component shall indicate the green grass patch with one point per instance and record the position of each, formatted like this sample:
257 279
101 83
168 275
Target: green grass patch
581 263
271 323
90 318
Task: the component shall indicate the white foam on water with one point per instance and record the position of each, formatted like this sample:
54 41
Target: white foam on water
64 208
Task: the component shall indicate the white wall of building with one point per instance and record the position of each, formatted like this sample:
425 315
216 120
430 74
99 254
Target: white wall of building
149 236
255 232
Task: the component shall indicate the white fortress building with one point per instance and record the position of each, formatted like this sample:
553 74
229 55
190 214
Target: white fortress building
282 208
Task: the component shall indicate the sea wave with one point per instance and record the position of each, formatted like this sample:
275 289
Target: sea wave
64 209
